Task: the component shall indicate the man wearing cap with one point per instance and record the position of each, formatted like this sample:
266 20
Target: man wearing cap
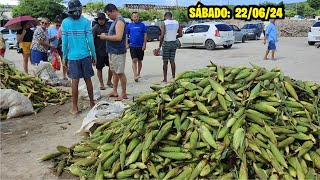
78 50
116 47
100 45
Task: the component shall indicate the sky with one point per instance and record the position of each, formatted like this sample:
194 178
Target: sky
172 2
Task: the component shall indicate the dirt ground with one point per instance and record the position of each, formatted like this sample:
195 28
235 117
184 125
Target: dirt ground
24 139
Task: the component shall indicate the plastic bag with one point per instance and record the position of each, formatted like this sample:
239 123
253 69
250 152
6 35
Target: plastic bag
17 103
46 72
83 93
56 60
101 113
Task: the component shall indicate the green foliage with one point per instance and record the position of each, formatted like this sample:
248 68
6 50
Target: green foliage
281 3
125 12
305 10
181 15
93 8
148 15
38 8
315 4
290 13
266 3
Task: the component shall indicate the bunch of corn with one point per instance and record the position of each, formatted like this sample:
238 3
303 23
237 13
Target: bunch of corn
214 123
41 95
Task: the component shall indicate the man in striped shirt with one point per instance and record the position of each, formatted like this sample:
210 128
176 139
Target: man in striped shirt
78 51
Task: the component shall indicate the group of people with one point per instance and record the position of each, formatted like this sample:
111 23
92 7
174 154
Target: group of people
106 44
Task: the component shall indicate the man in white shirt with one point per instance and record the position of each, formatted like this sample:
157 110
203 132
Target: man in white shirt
169 30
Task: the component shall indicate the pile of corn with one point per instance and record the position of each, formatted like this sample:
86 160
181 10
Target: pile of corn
40 95
213 123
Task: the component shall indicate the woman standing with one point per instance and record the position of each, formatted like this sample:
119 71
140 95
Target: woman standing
24 37
40 43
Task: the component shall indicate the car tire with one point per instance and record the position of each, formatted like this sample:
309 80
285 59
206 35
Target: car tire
227 46
178 44
311 43
244 39
210 45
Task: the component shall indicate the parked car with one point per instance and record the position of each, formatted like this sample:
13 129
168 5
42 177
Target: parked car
10 37
153 32
209 34
253 30
238 34
314 33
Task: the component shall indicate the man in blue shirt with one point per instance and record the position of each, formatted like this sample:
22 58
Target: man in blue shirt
78 51
272 38
137 35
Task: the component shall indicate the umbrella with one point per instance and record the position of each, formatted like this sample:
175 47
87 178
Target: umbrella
15 23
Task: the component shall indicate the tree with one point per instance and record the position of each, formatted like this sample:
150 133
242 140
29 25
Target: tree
181 15
315 4
266 3
125 12
38 8
281 3
290 13
92 8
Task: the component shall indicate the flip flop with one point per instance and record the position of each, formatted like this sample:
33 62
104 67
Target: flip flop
65 79
102 88
136 79
120 98
112 95
110 85
75 113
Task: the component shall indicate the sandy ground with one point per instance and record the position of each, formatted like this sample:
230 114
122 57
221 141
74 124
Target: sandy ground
25 139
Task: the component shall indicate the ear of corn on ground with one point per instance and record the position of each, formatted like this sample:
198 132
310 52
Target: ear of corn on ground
268 126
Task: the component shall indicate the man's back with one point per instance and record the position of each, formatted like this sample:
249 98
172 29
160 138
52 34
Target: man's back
76 37
172 27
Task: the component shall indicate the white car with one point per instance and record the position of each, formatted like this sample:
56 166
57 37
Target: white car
10 37
208 34
314 33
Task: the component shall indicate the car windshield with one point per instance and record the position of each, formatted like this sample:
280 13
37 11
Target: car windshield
223 27
250 26
317 24
5 31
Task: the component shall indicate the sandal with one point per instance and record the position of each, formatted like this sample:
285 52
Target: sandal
120 98
110 85
112 95
102 88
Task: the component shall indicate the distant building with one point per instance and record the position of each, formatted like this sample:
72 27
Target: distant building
5 14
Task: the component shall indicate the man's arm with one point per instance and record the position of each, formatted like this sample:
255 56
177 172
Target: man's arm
127 37
163 31
120 26
21 36
90 41
144 38
180 31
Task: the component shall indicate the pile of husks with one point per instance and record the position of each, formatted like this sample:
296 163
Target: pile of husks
213 123
40 94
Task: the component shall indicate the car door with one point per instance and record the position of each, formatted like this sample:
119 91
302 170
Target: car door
237 33
187 37
200 34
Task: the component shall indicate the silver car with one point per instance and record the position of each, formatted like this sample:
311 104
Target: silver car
239 35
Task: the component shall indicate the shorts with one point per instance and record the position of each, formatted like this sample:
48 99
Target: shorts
272 45
137 53
102 61
117 63
81 68
169 50
2 51
25 46
37 56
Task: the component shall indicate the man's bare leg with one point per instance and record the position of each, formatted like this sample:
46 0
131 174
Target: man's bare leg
266 55
75 84
134 69
273 52
100 77
90 91
109 83
114 92
165 70
139 67
123 81
173 68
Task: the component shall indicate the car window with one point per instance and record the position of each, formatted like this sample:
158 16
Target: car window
152 29
250 26
189 30
235 28
5 31
317 24
223 27
201 28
